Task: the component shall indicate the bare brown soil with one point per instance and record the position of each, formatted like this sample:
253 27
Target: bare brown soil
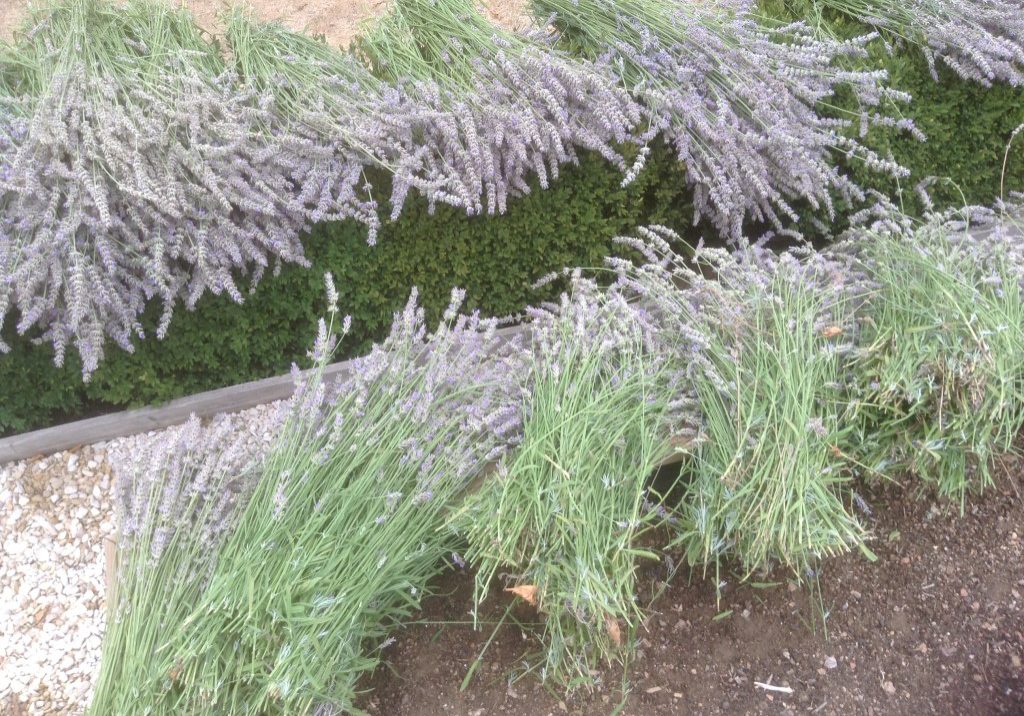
935 626
337 20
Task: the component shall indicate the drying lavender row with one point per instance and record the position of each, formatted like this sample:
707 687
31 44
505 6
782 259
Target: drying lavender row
139 165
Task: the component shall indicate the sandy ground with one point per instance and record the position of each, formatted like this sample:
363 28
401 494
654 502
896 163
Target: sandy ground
337 20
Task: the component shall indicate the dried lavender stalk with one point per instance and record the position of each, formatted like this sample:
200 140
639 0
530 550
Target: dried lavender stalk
503 107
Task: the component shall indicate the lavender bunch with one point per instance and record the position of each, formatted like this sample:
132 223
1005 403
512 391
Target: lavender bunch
504 107
981 40
563 516
768 340
332 118
345 525
737 100
939 390
138 170
179 495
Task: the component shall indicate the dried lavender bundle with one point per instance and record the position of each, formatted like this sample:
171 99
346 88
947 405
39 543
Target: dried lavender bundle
332 117
981 40
767 340
344 528
142 171
563 516
504 107
179 495
939 392
738 101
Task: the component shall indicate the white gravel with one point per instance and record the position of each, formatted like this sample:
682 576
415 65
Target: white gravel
56 513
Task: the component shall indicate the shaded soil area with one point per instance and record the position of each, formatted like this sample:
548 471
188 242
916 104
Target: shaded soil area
934 626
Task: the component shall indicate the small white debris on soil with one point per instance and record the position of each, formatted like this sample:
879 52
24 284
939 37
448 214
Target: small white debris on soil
56 513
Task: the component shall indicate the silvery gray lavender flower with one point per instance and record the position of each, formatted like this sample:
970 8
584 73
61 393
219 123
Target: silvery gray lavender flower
499 107
737 100
136 168
981 40
188 480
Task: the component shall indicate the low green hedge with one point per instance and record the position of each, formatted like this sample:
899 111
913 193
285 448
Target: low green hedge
494 258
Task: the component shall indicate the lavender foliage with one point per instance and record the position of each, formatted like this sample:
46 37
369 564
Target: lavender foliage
499 107
133 175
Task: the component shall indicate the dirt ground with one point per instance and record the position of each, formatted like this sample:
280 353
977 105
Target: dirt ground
935 626
337 20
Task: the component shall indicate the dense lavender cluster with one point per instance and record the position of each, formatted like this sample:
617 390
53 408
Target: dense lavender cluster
739 101
108 206
189 481
173 175
766 340
498 108
154 181
460 386
980 40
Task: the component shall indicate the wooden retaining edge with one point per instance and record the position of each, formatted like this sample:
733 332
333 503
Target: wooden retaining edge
130 422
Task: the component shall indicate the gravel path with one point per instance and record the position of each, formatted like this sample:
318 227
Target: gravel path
56 514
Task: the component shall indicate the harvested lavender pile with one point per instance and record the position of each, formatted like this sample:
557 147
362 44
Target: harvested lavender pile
739 101
504 107
981 40
941 381
273 588
768 339
134 169
562 519
272 584
139 165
